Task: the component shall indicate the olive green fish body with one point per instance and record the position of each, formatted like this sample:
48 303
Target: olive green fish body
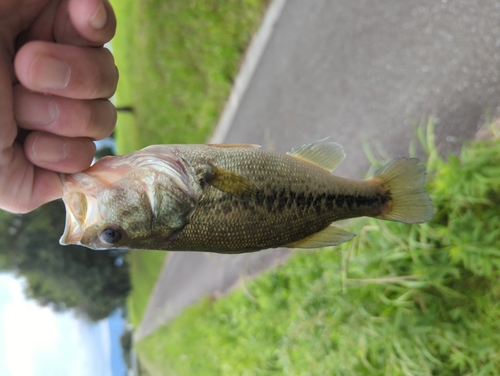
233 198
292 199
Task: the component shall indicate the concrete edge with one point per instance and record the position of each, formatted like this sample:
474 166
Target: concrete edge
251 61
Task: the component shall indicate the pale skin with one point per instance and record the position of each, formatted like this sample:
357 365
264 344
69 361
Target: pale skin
55 78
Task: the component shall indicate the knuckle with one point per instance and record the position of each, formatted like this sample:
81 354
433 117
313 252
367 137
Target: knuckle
95 74
97 119
86 120
95 82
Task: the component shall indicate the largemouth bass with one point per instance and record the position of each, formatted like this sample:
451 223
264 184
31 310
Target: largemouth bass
233 198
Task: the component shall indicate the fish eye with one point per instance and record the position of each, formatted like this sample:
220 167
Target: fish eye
111 234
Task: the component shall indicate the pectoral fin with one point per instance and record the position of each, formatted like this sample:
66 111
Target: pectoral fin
329 236
230 182
327 155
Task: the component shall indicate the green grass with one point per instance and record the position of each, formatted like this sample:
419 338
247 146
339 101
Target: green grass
177 61
126 134
397 300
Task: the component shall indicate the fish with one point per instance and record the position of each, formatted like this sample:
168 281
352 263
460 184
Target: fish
233 198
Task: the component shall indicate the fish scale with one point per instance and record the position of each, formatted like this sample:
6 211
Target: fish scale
266 221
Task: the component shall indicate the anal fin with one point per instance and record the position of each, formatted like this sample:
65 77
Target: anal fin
330 236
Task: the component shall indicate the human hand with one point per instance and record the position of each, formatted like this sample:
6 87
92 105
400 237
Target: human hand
55 77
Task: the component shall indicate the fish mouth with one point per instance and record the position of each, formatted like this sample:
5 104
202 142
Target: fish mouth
73 231
80 207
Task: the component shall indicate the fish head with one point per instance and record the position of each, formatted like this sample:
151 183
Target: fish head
133 201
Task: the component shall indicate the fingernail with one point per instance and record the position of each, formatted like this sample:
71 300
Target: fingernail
99 18
49 149
49 73
35 109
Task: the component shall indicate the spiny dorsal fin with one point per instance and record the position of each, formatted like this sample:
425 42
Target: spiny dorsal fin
244 146
329 236
230 182
327 155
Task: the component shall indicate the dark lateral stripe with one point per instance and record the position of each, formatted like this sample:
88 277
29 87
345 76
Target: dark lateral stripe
281 199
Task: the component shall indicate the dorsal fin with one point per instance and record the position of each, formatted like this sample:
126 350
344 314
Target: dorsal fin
327 155
331 235
245 146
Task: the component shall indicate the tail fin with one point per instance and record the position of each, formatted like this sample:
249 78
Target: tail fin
404 179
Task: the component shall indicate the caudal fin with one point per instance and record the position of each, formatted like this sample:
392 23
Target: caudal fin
404 179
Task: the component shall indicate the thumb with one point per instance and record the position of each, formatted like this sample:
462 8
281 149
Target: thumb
89 23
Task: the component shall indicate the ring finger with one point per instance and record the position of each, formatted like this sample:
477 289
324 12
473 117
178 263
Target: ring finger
95 119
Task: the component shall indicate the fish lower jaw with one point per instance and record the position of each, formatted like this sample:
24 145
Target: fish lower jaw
72 230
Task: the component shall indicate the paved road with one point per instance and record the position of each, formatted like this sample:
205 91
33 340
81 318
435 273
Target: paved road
352 70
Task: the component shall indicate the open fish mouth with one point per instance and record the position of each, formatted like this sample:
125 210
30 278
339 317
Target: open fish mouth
73 231
81 209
